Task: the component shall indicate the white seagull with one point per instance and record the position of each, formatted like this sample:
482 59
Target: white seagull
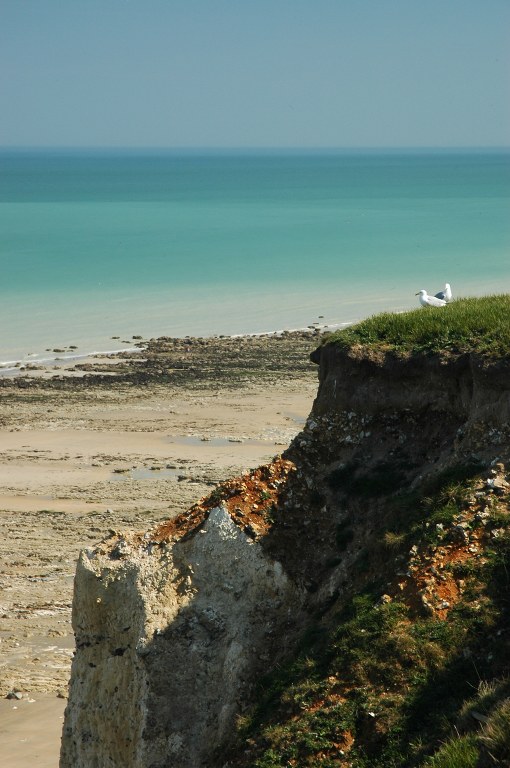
430 301
446 294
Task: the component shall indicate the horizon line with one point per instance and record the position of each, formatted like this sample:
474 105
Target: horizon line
253 148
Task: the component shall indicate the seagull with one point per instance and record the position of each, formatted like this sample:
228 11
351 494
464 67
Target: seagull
430 301
446 295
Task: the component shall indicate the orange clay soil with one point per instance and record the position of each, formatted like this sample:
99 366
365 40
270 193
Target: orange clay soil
429 582
249 500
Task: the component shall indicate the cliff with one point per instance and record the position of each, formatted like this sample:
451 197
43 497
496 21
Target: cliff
175 627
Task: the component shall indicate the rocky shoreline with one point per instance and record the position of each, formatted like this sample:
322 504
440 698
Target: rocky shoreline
190 360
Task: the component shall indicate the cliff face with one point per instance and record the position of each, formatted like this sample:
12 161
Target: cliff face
379 425
174 627
468 387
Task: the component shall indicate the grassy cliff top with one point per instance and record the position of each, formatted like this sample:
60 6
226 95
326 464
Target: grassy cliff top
466 325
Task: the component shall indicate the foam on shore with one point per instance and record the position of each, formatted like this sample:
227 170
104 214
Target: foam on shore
14 367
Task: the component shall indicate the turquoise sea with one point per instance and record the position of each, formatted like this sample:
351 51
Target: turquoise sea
96 244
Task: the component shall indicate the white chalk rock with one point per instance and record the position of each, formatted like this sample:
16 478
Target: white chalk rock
170 639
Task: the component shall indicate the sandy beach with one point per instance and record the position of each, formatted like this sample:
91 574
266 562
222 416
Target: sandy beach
113 443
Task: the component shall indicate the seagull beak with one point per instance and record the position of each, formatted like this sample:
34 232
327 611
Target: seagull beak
417 294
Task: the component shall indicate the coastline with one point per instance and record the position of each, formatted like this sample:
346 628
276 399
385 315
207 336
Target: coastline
76 330
64 358
83 322
31 363
123 441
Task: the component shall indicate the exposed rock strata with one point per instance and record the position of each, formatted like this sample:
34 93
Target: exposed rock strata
173 628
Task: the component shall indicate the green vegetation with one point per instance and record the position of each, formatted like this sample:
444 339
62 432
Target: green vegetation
217 495
465 325
489 744
381 683
268 513
458 753
416 516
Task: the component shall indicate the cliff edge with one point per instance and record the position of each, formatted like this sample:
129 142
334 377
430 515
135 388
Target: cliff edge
176 626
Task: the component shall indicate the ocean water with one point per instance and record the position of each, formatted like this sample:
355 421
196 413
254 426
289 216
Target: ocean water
97 244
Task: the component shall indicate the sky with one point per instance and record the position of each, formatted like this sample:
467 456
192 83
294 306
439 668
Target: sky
255 73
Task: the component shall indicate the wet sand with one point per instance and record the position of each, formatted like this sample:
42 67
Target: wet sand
109 444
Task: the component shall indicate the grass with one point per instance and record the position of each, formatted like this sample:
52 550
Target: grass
458 753
466 325
482 735
414 516
496 734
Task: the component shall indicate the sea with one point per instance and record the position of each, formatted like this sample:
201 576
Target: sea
99 247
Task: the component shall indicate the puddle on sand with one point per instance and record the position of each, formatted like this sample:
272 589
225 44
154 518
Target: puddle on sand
216 442
145 473
300 420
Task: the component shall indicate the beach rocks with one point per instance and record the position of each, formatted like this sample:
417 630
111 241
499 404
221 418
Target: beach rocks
17 695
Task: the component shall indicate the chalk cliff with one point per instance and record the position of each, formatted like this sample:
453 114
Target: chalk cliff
175 626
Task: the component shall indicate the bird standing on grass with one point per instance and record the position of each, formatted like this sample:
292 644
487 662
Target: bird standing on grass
430 301
446 294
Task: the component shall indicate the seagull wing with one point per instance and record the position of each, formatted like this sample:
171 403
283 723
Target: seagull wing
434 301
445 294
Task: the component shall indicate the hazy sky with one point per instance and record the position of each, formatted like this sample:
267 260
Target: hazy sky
238 73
